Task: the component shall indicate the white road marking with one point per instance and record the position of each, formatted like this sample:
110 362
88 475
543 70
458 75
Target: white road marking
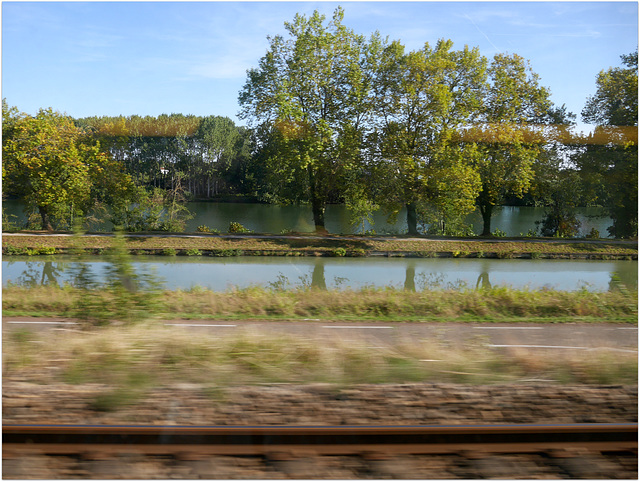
627 328
508 327
43 322
563 347
197 324
361 327
541 346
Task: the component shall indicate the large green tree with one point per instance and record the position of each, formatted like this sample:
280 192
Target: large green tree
609 164
310 95
56 168
422 97
514 102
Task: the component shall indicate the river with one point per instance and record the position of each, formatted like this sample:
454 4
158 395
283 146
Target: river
267 218
416 274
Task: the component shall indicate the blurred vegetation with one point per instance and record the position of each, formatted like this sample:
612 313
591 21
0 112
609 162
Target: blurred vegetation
116 302
129 360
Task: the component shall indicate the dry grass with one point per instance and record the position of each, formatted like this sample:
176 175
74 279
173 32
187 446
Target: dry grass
310 245
149 355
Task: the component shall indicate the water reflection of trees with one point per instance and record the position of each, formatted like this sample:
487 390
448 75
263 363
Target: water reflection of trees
318 280
39 273
624 279
483 281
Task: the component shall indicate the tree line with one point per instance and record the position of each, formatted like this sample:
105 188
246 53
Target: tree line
334 116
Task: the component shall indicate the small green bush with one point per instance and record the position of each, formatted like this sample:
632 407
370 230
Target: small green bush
593 234
192 252
13 251
339 252
169 252
203 229
499 233
237 228
224 253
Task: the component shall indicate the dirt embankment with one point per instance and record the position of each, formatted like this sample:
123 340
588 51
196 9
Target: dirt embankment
323 404
320 404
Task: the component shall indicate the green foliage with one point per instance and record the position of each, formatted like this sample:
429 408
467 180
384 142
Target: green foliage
9 222
192 252
509 149
593 234
169 252
153 210
225 253
609 169
340 252
615 102
361 212
498 233
423 96
308 97
203 229
237 228
560 223
132 296
57 168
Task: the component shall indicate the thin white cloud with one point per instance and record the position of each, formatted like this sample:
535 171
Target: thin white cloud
481 32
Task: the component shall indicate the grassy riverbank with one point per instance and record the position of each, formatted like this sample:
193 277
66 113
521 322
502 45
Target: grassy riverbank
387 304
310 245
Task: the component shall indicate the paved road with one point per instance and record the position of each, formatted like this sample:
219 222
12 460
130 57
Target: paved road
538 337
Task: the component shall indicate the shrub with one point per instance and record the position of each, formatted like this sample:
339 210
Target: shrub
237 228
13 251
227 252
192 252
168 252
499 234
203 229
339 252
593 234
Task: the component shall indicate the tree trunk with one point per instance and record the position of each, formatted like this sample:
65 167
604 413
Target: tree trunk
317 202
486 210
412 219
318 207
46 222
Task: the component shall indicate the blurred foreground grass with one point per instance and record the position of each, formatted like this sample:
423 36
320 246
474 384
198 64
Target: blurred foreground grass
131 359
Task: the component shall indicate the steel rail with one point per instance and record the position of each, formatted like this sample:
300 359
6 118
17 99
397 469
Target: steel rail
106 441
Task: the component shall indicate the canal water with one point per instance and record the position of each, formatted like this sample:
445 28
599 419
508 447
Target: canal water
268 218
220 274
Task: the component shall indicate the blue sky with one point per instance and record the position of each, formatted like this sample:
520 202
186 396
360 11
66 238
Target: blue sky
149 58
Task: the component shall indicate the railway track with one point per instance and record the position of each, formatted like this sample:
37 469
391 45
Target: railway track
290 441
587 451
